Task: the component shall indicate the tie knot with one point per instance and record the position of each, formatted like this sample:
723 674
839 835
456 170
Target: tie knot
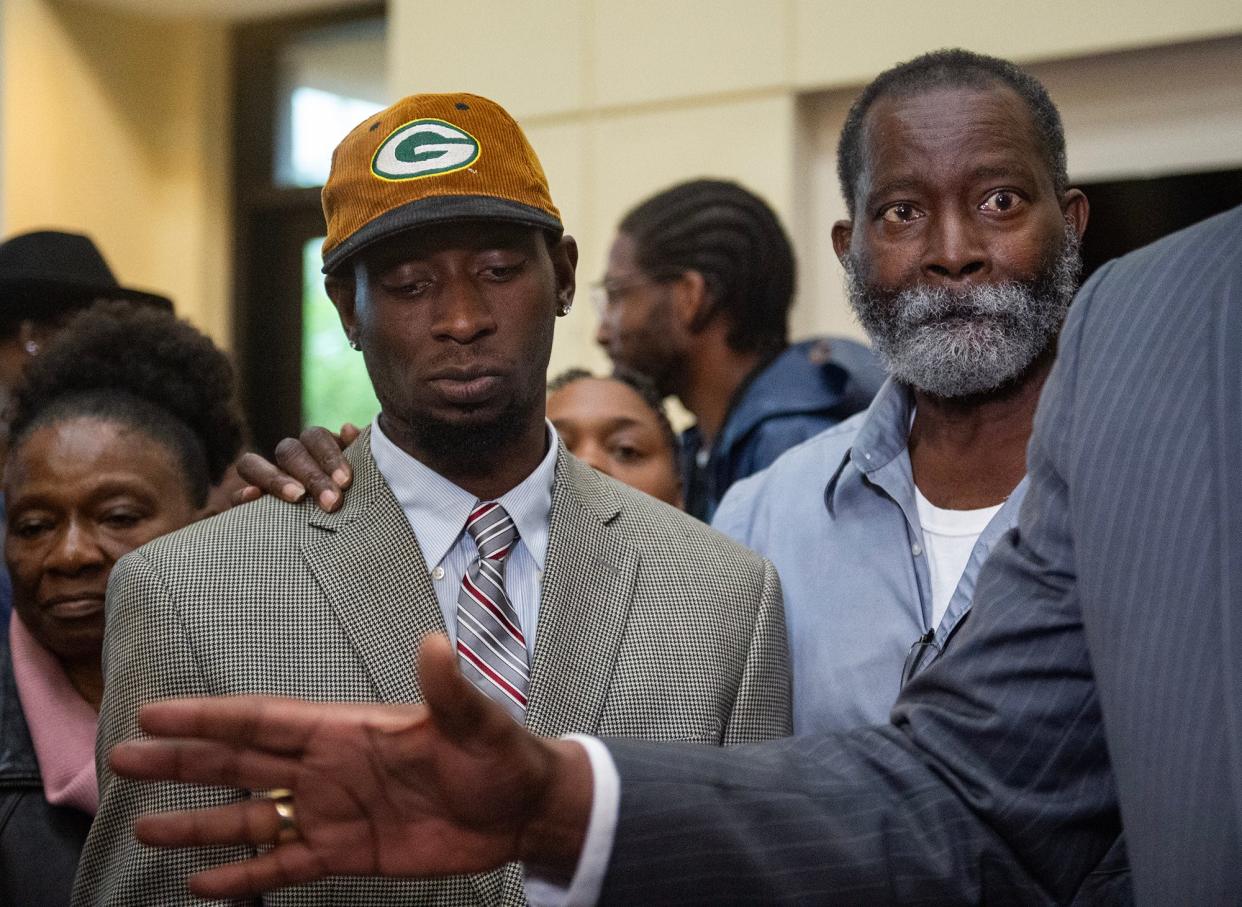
492 530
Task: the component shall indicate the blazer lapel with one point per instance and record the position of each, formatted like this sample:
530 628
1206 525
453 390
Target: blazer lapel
588 582
370 567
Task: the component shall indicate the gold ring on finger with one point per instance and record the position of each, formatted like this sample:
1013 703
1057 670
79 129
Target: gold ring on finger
286 815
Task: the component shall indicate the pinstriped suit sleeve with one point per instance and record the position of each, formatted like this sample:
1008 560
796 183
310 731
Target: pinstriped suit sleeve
762 709
146 657
998 742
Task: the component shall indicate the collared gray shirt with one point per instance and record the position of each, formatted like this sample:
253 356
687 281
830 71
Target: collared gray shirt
837 516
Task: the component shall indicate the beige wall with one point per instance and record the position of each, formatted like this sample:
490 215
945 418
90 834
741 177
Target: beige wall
624 98
116 125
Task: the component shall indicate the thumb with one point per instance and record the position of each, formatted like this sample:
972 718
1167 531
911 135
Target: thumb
456 706
348 434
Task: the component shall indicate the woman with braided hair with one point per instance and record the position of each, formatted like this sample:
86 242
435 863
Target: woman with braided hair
122 428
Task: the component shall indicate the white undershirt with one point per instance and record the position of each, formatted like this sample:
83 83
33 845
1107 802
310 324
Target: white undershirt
949 537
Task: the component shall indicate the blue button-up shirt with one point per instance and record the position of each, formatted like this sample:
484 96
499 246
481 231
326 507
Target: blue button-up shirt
837 516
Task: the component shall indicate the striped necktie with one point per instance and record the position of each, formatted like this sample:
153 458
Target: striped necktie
490 643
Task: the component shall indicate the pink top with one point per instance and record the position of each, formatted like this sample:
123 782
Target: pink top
62 724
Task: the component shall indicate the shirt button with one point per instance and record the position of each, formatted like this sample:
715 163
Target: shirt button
437 573
916 549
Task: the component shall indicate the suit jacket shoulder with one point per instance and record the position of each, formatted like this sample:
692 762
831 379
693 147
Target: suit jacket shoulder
1150 449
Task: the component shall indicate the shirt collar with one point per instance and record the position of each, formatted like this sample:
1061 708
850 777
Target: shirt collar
882 437
437 509
62 724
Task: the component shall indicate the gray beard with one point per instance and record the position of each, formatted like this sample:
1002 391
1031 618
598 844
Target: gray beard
957 344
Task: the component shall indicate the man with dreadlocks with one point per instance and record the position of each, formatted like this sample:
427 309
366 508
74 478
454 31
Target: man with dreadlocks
696 296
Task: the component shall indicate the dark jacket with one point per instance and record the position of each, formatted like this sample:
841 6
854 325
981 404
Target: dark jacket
39 843
810 386
6 584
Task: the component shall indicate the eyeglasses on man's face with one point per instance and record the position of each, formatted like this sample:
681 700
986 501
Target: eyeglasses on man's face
608 293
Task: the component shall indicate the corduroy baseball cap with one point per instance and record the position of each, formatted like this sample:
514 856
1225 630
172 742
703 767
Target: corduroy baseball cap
427 159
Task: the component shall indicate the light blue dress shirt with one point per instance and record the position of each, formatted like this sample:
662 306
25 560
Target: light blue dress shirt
437 510
837 516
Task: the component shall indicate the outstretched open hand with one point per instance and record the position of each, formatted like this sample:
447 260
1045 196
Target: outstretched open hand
401 790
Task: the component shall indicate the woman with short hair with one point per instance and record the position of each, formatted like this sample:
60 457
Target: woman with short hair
123 426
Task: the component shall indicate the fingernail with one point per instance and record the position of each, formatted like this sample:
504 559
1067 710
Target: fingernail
341 476
327 499
293 492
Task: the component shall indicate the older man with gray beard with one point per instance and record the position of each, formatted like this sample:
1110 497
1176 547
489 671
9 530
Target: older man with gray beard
961 258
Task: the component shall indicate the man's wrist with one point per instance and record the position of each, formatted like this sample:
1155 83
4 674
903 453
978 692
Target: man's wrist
552 840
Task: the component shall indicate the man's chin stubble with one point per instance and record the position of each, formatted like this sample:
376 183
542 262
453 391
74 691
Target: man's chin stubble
473 444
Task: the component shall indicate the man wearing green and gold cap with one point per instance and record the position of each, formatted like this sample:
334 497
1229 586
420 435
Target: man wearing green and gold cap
575 602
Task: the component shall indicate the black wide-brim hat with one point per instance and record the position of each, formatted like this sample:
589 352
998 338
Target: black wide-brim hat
46 271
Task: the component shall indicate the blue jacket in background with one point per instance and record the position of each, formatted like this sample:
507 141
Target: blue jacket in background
810 386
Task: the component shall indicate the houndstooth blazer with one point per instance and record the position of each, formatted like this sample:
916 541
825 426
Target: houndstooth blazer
651 625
